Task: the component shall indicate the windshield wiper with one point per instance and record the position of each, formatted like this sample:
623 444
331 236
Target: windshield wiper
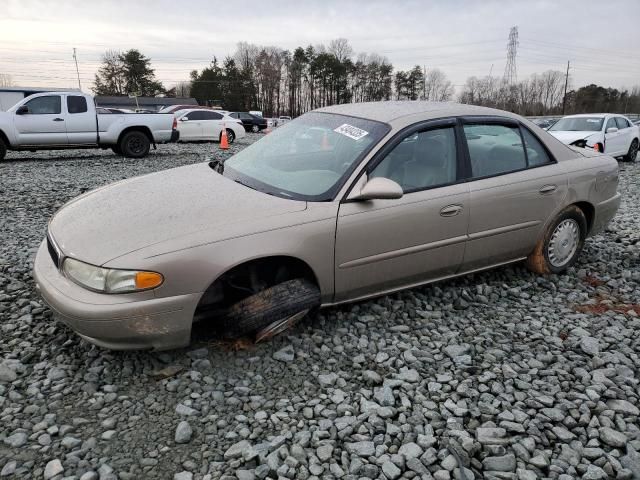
217 165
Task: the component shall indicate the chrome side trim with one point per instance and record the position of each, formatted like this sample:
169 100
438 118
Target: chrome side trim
404 251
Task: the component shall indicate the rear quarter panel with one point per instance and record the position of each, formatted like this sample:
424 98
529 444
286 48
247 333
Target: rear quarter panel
593 178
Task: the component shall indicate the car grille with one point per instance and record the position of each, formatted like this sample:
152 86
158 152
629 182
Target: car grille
54 252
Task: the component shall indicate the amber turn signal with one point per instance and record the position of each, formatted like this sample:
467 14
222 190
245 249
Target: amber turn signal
145 280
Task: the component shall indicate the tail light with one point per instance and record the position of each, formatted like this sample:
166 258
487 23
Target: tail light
175 123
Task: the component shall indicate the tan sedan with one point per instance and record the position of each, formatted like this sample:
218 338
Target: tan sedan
341 204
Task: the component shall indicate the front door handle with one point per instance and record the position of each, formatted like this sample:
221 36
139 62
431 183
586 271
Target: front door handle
548 189
58 119
450 210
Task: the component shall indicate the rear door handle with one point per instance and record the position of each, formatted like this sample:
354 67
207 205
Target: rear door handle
450 210
58 119
548 189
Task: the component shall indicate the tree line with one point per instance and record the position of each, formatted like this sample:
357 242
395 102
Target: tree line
282 82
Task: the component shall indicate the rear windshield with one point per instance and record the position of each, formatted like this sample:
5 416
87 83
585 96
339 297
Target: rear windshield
578 124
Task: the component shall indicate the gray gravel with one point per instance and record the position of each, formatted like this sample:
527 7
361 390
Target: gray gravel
499 375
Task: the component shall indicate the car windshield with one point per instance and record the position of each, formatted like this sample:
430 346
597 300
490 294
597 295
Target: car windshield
308 158
578 124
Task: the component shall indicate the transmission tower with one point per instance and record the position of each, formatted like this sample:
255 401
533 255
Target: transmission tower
510 70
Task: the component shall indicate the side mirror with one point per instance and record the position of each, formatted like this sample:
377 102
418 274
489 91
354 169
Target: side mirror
184 119
378 188
612 130
22 110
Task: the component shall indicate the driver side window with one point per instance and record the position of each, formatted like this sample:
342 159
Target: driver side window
44 105
422 160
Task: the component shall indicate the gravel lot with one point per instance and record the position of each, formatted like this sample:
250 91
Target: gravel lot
500 375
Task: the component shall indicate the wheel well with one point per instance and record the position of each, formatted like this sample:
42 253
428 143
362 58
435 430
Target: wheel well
4 138
251 277
589 212
142 129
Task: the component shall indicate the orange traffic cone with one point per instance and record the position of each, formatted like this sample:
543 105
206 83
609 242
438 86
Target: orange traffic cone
224 141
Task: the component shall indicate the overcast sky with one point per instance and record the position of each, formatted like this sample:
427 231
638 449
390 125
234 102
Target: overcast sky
461 37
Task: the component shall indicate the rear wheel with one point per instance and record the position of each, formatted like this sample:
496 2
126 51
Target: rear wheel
134 145
270 311
561 244
3 150
230 136
633 151
255 128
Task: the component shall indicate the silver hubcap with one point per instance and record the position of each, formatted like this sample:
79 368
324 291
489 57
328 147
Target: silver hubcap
563 243
279 326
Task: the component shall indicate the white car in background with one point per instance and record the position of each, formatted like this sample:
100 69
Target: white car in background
607 133
199 125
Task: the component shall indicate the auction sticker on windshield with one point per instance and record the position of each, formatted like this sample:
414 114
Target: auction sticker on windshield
350 131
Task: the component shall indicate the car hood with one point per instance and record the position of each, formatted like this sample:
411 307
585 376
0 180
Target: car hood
567 137
133 214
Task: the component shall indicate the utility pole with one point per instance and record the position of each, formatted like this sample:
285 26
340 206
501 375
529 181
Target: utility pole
75 59
566 82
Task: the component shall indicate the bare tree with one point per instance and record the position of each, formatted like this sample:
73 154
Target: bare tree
437 87
341 49
6 80
183 89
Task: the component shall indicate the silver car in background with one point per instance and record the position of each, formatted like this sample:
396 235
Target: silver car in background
341 204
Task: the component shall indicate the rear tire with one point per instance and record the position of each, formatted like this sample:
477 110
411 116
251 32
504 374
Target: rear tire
231 136
632 154
134 145
255 128
3 150
561 244
284 300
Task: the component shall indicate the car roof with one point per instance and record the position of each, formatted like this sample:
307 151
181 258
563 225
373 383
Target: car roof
591 115
392 111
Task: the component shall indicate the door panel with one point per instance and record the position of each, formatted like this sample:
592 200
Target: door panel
508 213
387 244
615 141
44 124
190 130
80 122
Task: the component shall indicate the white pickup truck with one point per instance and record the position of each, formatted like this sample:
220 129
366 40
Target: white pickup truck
59 120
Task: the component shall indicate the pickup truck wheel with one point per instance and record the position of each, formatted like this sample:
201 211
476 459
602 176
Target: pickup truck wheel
633 151
134 145
255 128
3 150
271 311
561 244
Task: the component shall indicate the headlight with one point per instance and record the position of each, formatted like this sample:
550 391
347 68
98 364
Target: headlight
108 280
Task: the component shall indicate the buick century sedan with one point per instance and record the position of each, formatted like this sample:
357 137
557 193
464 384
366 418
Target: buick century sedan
341 204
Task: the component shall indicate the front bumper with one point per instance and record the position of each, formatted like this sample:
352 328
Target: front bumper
118 322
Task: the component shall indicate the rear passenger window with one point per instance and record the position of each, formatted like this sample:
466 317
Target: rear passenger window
494 149
536 153
422 160
622 123
76 104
